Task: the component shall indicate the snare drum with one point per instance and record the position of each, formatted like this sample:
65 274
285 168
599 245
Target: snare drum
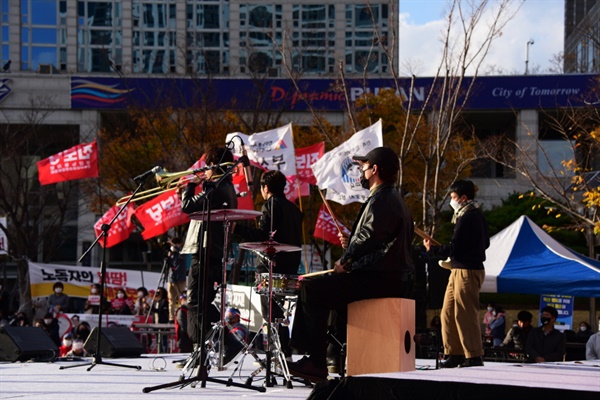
283 285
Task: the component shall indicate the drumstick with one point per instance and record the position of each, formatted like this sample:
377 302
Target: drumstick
330 212
325 271
426 236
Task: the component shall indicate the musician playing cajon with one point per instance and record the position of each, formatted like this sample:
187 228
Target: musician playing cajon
283 220
376 263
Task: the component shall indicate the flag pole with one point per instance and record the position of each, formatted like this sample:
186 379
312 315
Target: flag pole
330 212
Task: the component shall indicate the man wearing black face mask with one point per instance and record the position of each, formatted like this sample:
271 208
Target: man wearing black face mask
546 343
377 263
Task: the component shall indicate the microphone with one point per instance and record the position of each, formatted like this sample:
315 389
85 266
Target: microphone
145 175
242 194
246 163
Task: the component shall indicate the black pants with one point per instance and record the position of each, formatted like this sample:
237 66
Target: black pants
320 295
195 297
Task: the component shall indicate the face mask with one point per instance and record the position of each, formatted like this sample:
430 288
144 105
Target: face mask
120 295
58 290
140 294
545 320
489 308
77 345
67 342
515 326
583 328
94 291
454 204
47 321
494 313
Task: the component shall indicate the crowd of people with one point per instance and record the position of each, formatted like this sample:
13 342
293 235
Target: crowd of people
376 262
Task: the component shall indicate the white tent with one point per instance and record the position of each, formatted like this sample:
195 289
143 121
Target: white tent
523 258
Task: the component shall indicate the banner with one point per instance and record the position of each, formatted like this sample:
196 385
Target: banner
339 174
270 150
120 229
78 162
305 157
3 238
160 214
326 229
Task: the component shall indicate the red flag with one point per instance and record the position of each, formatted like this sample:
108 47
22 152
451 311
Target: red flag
161 214
325 227
305 157
120 229
78 162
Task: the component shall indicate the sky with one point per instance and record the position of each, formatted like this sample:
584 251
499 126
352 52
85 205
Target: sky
422 24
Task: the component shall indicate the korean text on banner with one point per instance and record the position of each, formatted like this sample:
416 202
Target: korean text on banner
78 162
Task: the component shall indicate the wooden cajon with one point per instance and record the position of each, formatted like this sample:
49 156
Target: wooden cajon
380 336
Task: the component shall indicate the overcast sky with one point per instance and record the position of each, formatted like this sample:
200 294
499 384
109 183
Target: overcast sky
422 24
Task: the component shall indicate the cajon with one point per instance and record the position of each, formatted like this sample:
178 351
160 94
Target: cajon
380 336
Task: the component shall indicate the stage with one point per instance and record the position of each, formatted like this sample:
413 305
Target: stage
43 380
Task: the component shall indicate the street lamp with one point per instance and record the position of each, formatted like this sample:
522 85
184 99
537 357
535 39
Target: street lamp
529 43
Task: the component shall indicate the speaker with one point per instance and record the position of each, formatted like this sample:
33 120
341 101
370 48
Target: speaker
21 343
114 342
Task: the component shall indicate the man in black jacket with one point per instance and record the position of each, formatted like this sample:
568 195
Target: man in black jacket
461 332
546 343
376 263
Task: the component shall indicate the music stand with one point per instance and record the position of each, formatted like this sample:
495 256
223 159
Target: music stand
97 357
202 368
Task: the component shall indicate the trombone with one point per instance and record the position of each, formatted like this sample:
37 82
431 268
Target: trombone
168 181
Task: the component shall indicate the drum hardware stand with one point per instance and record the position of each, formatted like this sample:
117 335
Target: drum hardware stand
105 228
202 357
342 355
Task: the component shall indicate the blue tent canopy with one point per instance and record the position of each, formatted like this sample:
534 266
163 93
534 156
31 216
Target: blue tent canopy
523 258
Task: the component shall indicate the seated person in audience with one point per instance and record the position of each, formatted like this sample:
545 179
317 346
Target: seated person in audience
66 346
58 301
83 330
77 350
592 348
584 332
20 319
143 302
233 345
497 326
92 304
546 343
516 338
50 325
121 304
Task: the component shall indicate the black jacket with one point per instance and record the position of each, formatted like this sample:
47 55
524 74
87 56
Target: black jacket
551 346
381 234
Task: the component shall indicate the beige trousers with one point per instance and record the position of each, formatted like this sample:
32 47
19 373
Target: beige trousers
461 331
176 289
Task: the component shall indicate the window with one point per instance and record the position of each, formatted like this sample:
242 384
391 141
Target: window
99 35
207 39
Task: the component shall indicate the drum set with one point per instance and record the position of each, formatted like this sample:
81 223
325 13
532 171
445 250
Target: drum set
281 289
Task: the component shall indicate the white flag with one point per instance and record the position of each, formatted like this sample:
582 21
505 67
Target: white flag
271 150
339 174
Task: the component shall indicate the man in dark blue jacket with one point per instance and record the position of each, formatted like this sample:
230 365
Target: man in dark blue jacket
377 263
461 332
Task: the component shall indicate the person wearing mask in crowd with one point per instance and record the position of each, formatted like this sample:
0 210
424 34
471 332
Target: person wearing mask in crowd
58 301
121 305
83 330
177 275
592 347
74 324
516 338
50 326
92 304
234 326
143 303
376 263
77 350
217 197
283 219
160 311
67 344
546 343
184 342
583 333
20 319
487 319
498 326
461 332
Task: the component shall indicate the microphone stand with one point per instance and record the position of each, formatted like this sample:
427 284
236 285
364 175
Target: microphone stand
202 374
97 357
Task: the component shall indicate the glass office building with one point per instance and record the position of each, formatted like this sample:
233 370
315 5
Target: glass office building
206 37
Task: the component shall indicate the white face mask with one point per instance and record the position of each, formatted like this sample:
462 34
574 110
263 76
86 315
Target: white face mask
47 321
120 295
493 312
77 345
490 308
94 291
583 328
67 342
140 294
58 290
454 204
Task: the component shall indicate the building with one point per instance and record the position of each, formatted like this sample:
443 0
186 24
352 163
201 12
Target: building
582 36
56 48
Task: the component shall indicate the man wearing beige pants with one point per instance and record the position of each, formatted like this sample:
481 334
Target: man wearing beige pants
461 332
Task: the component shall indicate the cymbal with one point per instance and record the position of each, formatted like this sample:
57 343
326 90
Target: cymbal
269 246
225 214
